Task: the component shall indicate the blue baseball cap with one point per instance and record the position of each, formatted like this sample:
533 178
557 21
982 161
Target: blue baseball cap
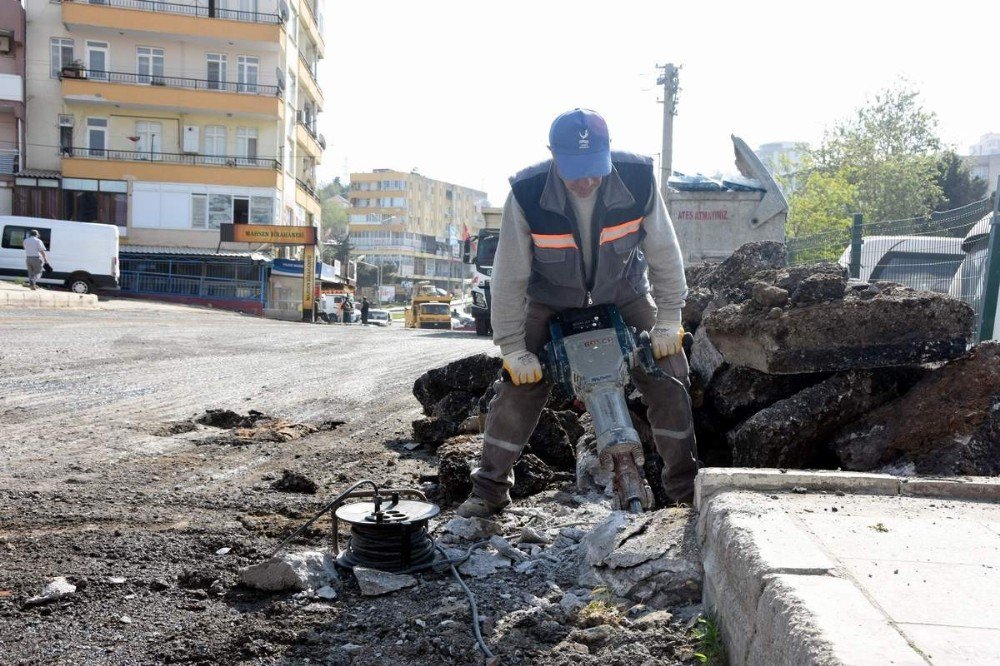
580 144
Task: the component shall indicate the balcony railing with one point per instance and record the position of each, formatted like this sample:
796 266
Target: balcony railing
170 81
307 123
173 158
310 190
310 67
187 10
317 18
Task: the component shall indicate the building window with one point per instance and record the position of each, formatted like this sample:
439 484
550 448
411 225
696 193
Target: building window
97 136
220 210
215 142
247 69
199 211
65 140
149 64
241 210
261 210
97 60
246 142
150 136
61 55
216 75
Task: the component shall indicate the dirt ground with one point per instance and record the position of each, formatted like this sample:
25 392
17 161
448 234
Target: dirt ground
108 479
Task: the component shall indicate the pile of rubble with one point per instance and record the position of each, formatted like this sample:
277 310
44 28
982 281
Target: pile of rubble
790 367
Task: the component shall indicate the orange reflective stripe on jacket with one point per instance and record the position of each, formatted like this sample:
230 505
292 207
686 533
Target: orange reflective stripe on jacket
553 240
610 234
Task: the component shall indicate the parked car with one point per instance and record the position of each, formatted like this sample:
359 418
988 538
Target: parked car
463 323
379 317
919 262
84 256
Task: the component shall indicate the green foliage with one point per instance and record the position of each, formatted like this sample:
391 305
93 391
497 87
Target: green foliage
711 651
332 189
888 153
334 219
958 186
819 216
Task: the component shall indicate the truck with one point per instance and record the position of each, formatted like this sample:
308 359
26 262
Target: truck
479 252
428 308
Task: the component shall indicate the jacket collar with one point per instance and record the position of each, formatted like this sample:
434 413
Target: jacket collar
614 193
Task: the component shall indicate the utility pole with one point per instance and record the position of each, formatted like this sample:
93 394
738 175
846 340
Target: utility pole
670 80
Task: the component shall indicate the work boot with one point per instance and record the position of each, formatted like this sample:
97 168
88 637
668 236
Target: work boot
477 507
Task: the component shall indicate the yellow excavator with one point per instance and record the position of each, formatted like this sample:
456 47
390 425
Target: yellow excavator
428 309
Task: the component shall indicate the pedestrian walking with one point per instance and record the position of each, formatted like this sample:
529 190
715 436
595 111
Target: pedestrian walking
587 227
346 308
365 306
36 257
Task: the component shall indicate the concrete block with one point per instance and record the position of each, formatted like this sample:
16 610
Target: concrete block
823 620
712 480
748 542
734 615
986 489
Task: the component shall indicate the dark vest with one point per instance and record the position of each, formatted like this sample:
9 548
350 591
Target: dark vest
618 268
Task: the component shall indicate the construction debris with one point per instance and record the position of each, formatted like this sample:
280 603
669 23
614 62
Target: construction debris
374 582
53 591
292 571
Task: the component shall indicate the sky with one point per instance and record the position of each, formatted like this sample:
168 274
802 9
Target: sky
465 91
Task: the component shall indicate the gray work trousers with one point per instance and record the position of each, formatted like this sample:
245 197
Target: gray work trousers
514 411
35 266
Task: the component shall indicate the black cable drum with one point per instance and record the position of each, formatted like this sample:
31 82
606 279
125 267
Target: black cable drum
388 534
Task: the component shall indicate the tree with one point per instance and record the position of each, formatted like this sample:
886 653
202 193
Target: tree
958 186
334 219
887 152
819 216
332 189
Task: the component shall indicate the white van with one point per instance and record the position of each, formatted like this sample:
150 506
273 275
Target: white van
83 256
919 262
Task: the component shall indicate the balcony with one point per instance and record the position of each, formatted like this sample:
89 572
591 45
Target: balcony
308 189
307 79
170 167
305 134
312 22
200 95
175 18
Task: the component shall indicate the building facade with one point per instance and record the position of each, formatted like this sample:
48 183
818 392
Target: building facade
12 62
414 223
169 119
984 160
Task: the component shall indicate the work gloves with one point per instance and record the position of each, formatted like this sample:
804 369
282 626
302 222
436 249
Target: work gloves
523 367
666 338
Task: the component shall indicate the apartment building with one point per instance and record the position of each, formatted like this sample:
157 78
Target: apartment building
168 119
414 223
11 97
984 159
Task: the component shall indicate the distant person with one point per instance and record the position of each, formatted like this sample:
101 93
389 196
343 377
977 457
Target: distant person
365 307
35 257
346 308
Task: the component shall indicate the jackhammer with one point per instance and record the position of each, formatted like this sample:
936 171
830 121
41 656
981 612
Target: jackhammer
591 353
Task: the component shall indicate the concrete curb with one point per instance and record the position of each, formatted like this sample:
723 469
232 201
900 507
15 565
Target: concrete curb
713 480
779 600
20 297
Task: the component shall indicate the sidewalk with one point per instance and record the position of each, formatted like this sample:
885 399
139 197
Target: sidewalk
13 295
842 568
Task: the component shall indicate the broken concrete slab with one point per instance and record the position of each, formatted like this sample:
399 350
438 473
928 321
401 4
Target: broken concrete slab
292 571
652 558
553 438
948 423
471 529
56 589
713 480
375 583
434 431
739 392
456 461
482 564
793 432
897 327
472 374
729 280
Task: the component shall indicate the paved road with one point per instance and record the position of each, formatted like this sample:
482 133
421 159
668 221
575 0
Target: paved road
86 387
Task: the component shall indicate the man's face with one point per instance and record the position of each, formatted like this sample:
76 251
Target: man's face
583 187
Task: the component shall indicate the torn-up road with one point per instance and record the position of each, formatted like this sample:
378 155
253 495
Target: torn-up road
149 453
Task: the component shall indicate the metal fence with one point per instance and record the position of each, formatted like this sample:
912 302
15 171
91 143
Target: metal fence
173 158
212 280
948 252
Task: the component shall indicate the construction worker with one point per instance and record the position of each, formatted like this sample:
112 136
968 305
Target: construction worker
587 227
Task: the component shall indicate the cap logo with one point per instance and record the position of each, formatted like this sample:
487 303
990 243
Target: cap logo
584 142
